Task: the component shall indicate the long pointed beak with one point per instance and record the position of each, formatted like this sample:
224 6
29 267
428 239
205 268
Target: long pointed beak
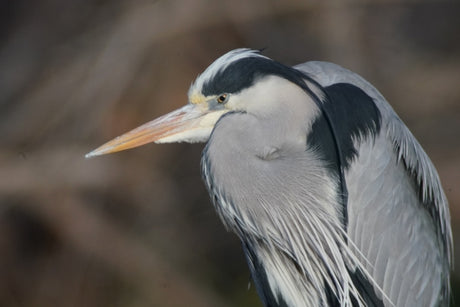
191 123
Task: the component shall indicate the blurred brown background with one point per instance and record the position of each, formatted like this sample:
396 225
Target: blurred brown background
136 228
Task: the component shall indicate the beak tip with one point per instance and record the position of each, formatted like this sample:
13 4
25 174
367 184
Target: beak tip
92 154
89 155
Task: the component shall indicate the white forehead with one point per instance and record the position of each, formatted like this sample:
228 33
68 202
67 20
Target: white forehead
221 64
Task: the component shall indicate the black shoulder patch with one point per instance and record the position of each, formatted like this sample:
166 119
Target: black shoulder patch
348 114
354 116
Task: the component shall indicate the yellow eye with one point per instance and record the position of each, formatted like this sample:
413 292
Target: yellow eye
222 98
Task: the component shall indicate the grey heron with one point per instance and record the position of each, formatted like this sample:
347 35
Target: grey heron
333 199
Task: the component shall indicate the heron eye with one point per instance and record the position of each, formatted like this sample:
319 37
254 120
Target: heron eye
222 98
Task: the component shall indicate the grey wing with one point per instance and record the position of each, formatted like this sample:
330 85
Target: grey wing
398 215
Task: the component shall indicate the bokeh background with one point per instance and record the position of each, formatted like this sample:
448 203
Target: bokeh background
136 228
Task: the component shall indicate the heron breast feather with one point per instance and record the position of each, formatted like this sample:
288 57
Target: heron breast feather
269 153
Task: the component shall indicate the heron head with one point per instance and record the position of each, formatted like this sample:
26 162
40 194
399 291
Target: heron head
223 87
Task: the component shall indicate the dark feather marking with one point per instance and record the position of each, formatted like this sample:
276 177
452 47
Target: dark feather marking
332 300
364 287
366 290
242 74
353 115
259 276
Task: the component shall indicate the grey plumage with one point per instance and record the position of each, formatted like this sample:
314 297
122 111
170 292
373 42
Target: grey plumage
393 171
271 208
335 202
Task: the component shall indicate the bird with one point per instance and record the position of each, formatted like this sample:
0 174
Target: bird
334 200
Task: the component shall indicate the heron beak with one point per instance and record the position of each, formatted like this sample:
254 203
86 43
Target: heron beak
191 123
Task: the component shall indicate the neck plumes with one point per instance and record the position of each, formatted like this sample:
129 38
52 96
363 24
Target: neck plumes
281 200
